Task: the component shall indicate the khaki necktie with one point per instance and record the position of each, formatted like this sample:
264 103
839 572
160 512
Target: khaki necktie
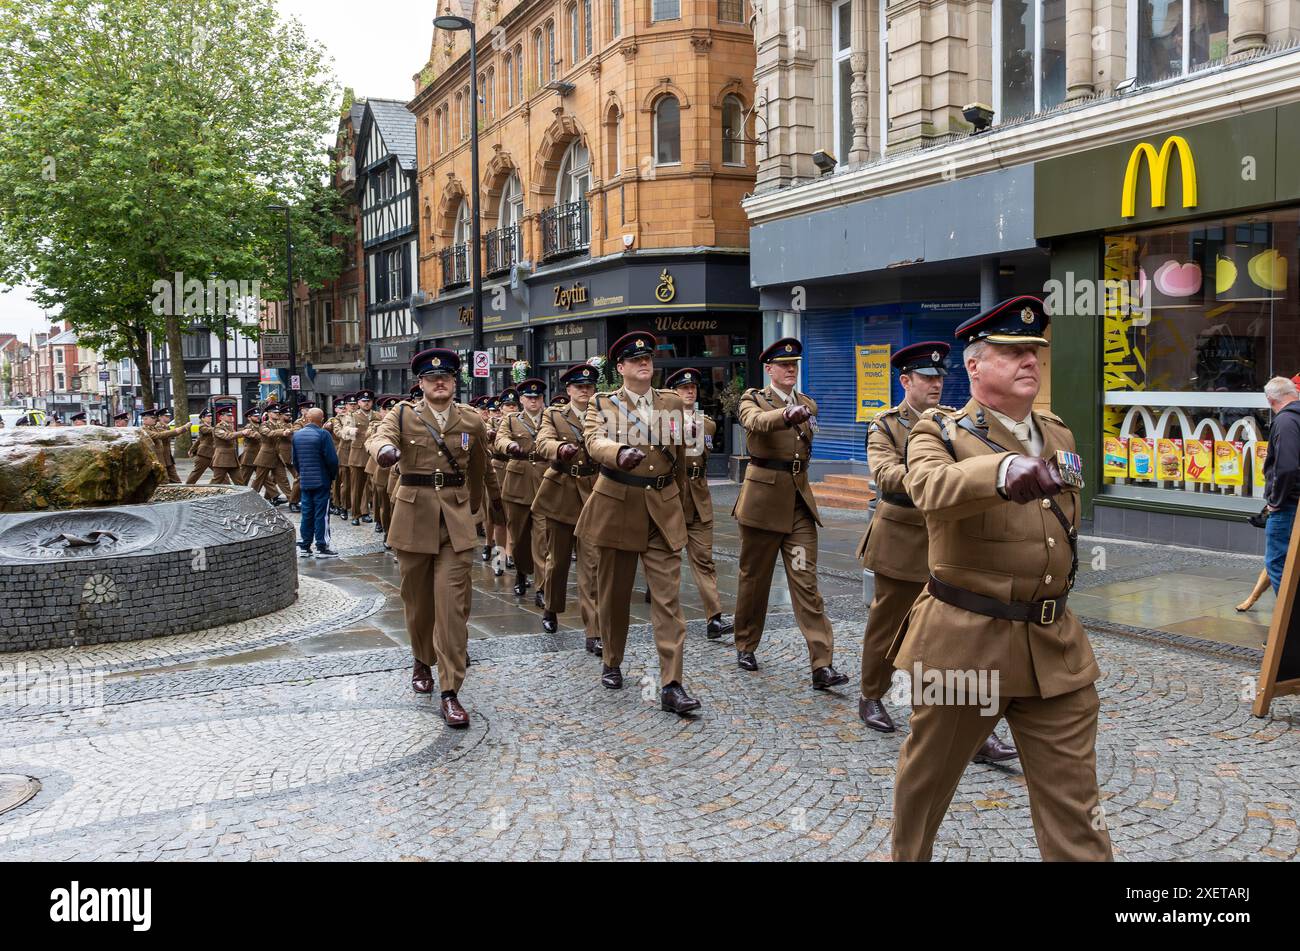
1023 433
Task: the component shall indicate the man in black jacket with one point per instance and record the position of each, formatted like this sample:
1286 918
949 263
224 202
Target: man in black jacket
1281 474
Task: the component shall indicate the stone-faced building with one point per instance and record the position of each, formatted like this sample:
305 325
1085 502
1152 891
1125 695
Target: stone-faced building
615 147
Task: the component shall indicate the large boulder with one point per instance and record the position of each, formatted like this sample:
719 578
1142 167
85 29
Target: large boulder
78 467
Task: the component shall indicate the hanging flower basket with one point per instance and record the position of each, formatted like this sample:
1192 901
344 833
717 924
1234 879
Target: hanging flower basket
519 370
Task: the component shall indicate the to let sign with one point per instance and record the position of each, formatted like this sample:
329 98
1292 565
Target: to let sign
275 350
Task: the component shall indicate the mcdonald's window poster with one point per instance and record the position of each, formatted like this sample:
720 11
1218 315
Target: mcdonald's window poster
1227 462
1169 460
1198 455
1141 458
1115 458
1260 455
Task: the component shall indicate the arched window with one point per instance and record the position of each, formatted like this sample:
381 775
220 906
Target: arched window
519 71
428 223
460 116
550 49
733 132
668 131
482 97
539 59
586 27
575 174
615 18
427 135
509 70
512 203
464 224
444 125
575 34
613 141
466 114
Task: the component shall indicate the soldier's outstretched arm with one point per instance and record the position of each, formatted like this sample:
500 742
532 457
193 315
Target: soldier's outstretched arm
598 428
758 420
943 488
504 437
387 433
885 460
548 442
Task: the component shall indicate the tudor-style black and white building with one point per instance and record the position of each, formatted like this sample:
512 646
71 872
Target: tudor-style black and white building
386 192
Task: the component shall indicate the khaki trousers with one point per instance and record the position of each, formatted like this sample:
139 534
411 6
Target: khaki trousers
272 478
758 551
561 545
245 473
172 475
889 607
615 575
437 594
1057 740
699 549
201 465
527 539
360 503
223 476
296 495
342 489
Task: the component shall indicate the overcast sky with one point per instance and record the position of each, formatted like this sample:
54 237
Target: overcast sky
377 47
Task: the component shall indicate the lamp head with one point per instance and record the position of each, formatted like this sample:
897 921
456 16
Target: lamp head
447 21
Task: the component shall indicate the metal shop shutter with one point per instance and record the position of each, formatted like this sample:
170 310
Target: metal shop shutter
830 377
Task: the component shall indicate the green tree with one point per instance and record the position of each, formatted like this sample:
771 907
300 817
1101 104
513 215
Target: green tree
141 139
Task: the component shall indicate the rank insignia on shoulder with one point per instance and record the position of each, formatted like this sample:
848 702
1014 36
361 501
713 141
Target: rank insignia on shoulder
873 428
1070 466
464 441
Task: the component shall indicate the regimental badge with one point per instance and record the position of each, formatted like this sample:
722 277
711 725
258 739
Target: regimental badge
708 442
935 357
464 441
789 348
1070 466
1027 316
437 361
640 343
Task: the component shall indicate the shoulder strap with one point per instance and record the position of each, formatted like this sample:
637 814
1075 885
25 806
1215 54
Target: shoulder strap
437 438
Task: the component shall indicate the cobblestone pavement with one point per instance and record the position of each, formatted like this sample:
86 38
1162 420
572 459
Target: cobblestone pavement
296 736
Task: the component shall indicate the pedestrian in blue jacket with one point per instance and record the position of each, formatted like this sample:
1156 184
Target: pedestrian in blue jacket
317 464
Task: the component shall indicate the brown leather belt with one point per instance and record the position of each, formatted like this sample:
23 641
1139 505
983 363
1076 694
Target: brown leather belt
695 472
1035 612
575 471
500 457
644 482
898 498
794 467
436 479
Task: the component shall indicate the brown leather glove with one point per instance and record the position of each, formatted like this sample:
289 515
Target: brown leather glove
629 457
514 450
567 452
794 415
388 456
1029 478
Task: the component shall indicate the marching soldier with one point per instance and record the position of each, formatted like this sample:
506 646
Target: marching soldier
443 450
163 432
894 546
379 478
997 485
697 501
251 434
566 486
225 453
346 430
201 448
359 504
270 478
635 509
516 437
778 514
506 403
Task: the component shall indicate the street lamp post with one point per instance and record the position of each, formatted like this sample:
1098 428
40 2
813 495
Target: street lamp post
478 386
293 345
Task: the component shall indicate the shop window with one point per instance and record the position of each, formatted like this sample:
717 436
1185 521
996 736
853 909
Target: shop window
1028 57
1174 37
668 131
1197 319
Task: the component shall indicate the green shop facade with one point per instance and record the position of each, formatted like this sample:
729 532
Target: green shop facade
1175 263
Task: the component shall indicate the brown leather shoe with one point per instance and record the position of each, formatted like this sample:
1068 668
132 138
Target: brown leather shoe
874 715
675 699
453 713
995 751
828 676
611 678
746 660
421 678
594 646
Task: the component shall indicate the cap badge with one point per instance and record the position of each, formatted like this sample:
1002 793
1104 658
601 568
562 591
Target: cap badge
640 343
1027 316
437 362
789 348
935 356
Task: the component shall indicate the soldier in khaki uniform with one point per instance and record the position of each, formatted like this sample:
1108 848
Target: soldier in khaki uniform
635 509
516 436
346 431
270 471
894 546
997 484
251 434
565 488
359 502
379 478
778 514
201 449
225 451
163 432
697 501
443 450
501 553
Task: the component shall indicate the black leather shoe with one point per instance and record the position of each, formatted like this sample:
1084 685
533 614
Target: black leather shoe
498 572
995 751
487 553
481 533
379 528
828 676
356 521
539 599
594 646
295 507
367 519
510 563
874 715
521 585
746 660
675 699
549 623
611 678
719 624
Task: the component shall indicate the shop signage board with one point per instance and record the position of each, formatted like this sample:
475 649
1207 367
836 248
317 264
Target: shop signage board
1280 673
873 380
275 351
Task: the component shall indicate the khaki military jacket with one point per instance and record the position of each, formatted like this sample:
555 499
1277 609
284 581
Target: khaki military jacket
523 476
162 437
895 541
225 443
984 543
202 446
561 495
767 496
252 437
697 500
618 515
417 509
361 421
268 451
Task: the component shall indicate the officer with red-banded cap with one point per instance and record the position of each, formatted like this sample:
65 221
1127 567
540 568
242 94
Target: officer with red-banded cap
516 437
997 483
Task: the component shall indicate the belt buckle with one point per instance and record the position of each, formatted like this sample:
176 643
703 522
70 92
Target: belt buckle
532 456
1047 612
439 480
796 467
661 481
573 470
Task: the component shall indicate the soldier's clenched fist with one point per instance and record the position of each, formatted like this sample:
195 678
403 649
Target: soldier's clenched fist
1029 478
388 456
794 415
515 451
567 452
629 457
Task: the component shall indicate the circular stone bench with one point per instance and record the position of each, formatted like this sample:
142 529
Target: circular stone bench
190 558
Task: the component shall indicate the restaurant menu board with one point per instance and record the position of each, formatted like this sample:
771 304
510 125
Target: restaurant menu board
1115 457
1169 460
1198 453
1260 454
1280 672
1143 459
1228 469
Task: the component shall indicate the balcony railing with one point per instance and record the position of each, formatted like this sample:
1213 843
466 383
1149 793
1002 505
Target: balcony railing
502 250
455 265
566 229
